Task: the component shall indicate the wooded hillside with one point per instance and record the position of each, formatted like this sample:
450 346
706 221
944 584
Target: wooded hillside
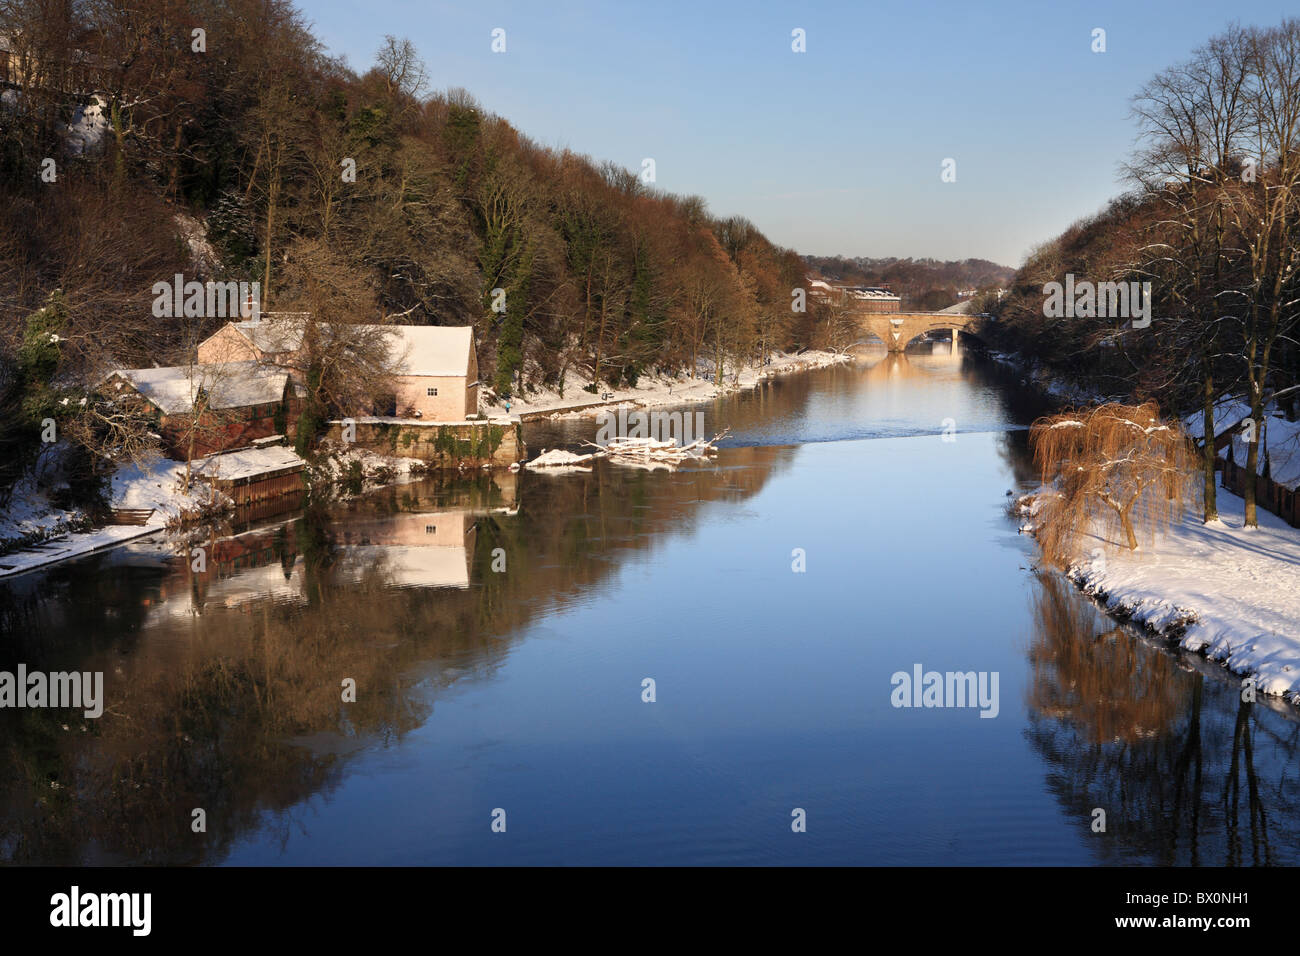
252 140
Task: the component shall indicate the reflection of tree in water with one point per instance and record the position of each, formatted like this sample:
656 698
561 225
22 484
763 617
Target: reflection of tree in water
1187 772
1013 449
222 698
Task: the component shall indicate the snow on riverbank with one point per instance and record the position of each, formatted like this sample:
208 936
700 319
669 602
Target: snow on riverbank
49 534
666 390
338 463
1218 589
159 483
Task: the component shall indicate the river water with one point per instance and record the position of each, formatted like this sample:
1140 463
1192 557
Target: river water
499 632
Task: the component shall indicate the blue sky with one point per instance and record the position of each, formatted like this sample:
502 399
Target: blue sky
837 149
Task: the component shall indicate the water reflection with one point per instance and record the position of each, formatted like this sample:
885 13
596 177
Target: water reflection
224 682
1188 773
223 685
879 394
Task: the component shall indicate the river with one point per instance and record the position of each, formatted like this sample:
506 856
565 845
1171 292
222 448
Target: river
500 631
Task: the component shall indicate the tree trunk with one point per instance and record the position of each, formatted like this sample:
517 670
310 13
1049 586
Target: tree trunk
1251 519
119 144
270 226
189 457
600 340
1128 529
1208 454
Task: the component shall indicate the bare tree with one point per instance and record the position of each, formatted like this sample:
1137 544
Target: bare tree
347 361
1192 117
1109 469
404 73
1267 216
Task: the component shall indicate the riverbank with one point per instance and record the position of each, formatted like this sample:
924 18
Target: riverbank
1037 376
38 533
655 391
1230 594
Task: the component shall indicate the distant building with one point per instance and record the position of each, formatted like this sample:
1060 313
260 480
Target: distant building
873 298
876 298
73 72
437 366
251 476
275 339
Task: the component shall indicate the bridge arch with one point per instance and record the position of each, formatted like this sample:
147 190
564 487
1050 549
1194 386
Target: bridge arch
897 329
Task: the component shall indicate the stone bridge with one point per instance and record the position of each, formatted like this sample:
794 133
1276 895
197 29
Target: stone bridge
896 329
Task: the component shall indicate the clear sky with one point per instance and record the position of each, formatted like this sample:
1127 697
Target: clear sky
837 150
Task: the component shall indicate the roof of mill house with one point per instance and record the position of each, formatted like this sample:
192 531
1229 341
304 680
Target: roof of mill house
275 332
228 384
415 349
1282 442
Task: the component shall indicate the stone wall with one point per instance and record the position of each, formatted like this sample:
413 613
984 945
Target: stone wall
463 444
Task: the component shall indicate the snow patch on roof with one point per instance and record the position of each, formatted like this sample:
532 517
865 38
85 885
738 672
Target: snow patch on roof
247 463
173 388
1280 451
1229 412
440 350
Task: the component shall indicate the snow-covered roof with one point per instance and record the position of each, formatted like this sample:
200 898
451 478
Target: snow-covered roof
432 349
247 462
228 384
417 349
1281 441
1228 413
871 293
274 332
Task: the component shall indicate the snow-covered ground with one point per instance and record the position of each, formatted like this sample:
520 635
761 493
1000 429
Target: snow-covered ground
159 483
1234 593
335 464
654 391
89 127
155 483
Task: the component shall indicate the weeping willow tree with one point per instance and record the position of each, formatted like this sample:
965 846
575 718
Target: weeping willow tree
1116 471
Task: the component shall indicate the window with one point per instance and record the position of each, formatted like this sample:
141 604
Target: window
430 529
431 392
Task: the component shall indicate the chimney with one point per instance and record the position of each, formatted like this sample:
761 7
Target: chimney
250 312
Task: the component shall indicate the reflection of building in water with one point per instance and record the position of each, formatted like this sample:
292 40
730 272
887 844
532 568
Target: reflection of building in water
407 549
235 571
421 549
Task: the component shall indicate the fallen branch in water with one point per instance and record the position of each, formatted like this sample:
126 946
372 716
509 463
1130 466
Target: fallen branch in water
650 451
